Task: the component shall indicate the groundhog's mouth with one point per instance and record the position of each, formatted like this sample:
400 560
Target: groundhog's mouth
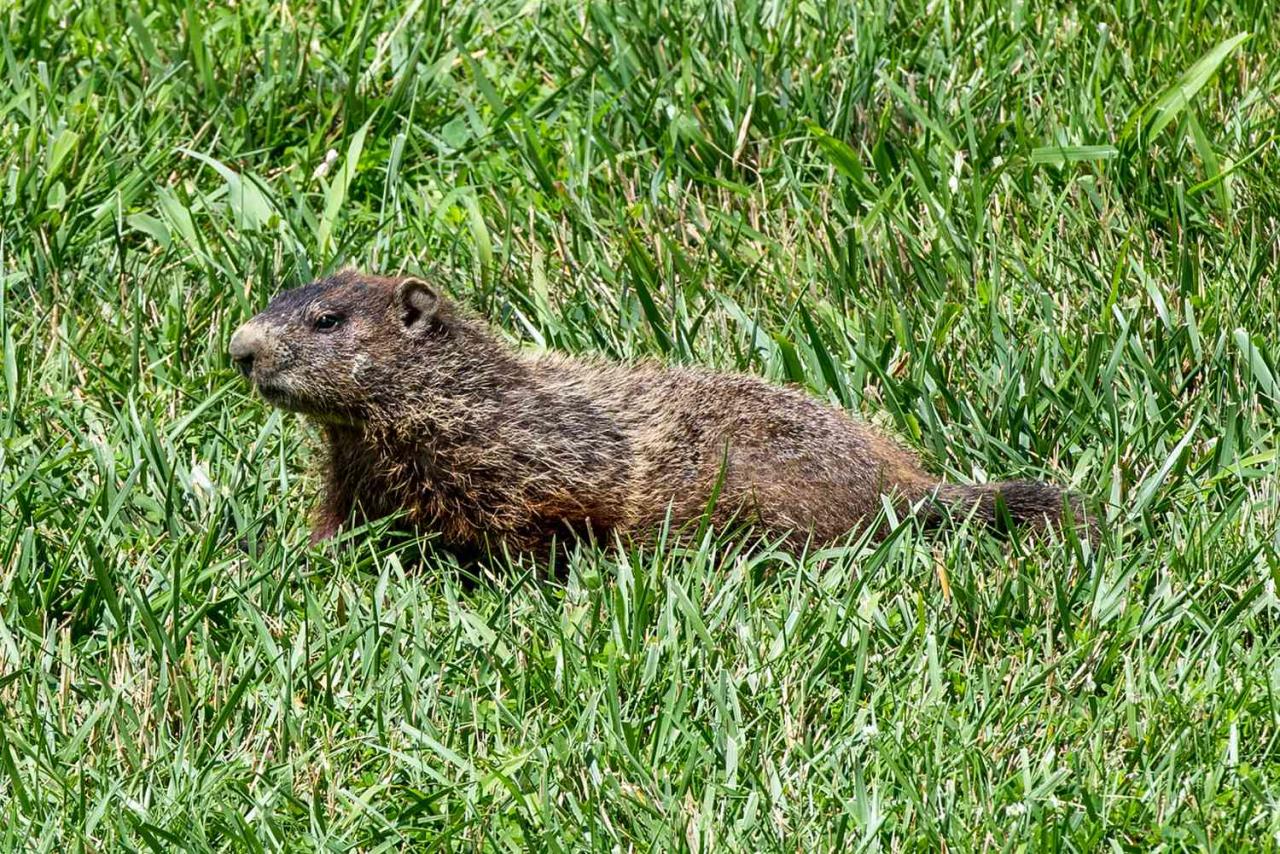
282 397
276 394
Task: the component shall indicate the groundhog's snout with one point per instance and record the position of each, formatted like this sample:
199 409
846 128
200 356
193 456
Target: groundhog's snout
246 345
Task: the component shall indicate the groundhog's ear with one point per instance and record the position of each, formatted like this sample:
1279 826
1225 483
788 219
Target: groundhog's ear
418 303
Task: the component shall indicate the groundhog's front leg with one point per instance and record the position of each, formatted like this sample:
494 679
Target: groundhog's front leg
324 526
329 514
338 495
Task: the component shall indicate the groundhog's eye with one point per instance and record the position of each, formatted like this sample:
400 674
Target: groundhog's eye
326 322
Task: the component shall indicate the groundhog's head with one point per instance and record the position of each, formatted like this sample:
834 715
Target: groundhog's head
343 348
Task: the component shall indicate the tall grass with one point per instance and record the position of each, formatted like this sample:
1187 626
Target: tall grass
1033 239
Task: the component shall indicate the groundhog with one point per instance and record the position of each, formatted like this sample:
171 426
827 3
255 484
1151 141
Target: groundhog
424 410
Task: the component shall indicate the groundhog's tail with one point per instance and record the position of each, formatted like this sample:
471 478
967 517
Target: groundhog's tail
1024 503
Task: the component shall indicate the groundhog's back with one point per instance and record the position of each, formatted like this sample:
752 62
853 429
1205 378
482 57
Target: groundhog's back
769 455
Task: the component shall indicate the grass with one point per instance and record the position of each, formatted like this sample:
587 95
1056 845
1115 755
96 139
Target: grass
1033 239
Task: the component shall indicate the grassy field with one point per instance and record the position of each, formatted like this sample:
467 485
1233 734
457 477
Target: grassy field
1033 239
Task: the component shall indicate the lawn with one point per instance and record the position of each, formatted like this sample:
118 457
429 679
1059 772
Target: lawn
1032 239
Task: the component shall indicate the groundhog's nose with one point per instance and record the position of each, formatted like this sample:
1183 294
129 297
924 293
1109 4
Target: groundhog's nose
245 344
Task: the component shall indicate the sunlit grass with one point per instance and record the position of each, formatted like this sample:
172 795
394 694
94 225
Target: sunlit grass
1033 240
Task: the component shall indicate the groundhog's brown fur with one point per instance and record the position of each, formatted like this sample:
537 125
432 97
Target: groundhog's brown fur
424 410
